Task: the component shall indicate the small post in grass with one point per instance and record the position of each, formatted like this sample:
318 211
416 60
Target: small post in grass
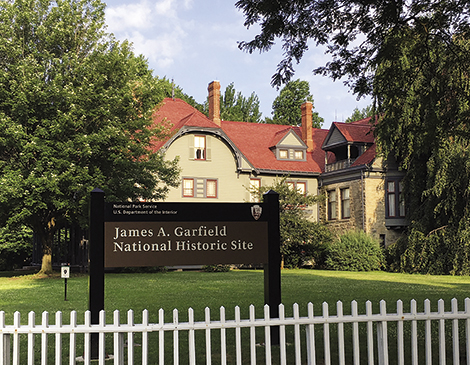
65 274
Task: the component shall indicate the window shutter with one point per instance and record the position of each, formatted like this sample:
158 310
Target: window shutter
208 148
191 146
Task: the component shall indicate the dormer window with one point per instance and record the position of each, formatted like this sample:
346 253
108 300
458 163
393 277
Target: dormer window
298 155
290 154
288 146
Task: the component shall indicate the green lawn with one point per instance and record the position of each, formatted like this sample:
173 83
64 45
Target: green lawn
198 290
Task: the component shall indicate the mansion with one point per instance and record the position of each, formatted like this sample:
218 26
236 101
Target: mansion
220 160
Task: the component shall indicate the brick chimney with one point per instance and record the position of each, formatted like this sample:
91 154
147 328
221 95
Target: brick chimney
307 137
214 102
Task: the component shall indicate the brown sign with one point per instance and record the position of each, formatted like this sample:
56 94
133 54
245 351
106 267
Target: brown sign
185 243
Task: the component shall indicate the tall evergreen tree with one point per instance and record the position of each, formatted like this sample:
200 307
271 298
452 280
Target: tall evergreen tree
286 106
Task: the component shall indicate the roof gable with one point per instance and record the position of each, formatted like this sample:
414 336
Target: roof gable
344 133
290 138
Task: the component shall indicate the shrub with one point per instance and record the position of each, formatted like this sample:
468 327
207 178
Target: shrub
216 268
354 251
303 242
16 247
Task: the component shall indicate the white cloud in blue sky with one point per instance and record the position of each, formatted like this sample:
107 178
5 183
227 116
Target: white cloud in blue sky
195 42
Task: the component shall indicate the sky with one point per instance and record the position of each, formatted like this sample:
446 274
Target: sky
196 42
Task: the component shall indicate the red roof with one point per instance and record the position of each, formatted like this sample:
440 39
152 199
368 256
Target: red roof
175 114
252 139
255 140
359 131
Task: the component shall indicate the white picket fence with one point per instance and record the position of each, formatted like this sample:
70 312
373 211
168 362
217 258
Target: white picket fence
419 336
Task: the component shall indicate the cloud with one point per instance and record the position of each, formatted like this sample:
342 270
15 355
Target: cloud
155 30
129 16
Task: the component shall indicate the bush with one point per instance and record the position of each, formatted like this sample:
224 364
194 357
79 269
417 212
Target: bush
354 251
444 251
303 242
216 268
16 247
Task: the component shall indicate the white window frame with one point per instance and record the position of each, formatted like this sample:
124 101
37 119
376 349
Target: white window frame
345 203
331 207
200 147
255 183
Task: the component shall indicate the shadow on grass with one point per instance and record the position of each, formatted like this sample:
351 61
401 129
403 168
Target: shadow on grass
17 273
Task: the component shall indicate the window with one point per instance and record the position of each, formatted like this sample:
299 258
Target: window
300 186
199 147
211 188
290 154
298 155
188 187
255 184
194 187
395 204
331 205
345 204
401 202
283 154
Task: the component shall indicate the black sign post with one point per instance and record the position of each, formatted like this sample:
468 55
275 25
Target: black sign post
272 269
96 264
130 234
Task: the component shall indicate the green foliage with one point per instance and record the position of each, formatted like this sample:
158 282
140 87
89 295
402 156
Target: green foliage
441 252
75 114
235 107
355 251
338 25
16 246
302 242
286 106
216 268
358 114
413 59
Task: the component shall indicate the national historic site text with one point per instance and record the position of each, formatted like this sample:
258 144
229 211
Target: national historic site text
184 243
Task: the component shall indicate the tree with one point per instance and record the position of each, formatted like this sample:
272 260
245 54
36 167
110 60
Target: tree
301 240
413 59
75 108
353 31
235 107
358 114
431 116
286 106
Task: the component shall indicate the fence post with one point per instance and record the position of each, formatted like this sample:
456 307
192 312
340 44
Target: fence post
96 264
4 342
272 270
382 337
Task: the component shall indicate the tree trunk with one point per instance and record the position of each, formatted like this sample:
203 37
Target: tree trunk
46 265
47 240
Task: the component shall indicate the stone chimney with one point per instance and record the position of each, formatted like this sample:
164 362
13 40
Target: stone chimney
307 137
214 102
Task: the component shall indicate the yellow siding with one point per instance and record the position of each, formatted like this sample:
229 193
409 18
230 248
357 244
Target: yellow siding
222 166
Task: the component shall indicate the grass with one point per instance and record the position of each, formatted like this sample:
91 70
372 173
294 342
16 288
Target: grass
182 290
